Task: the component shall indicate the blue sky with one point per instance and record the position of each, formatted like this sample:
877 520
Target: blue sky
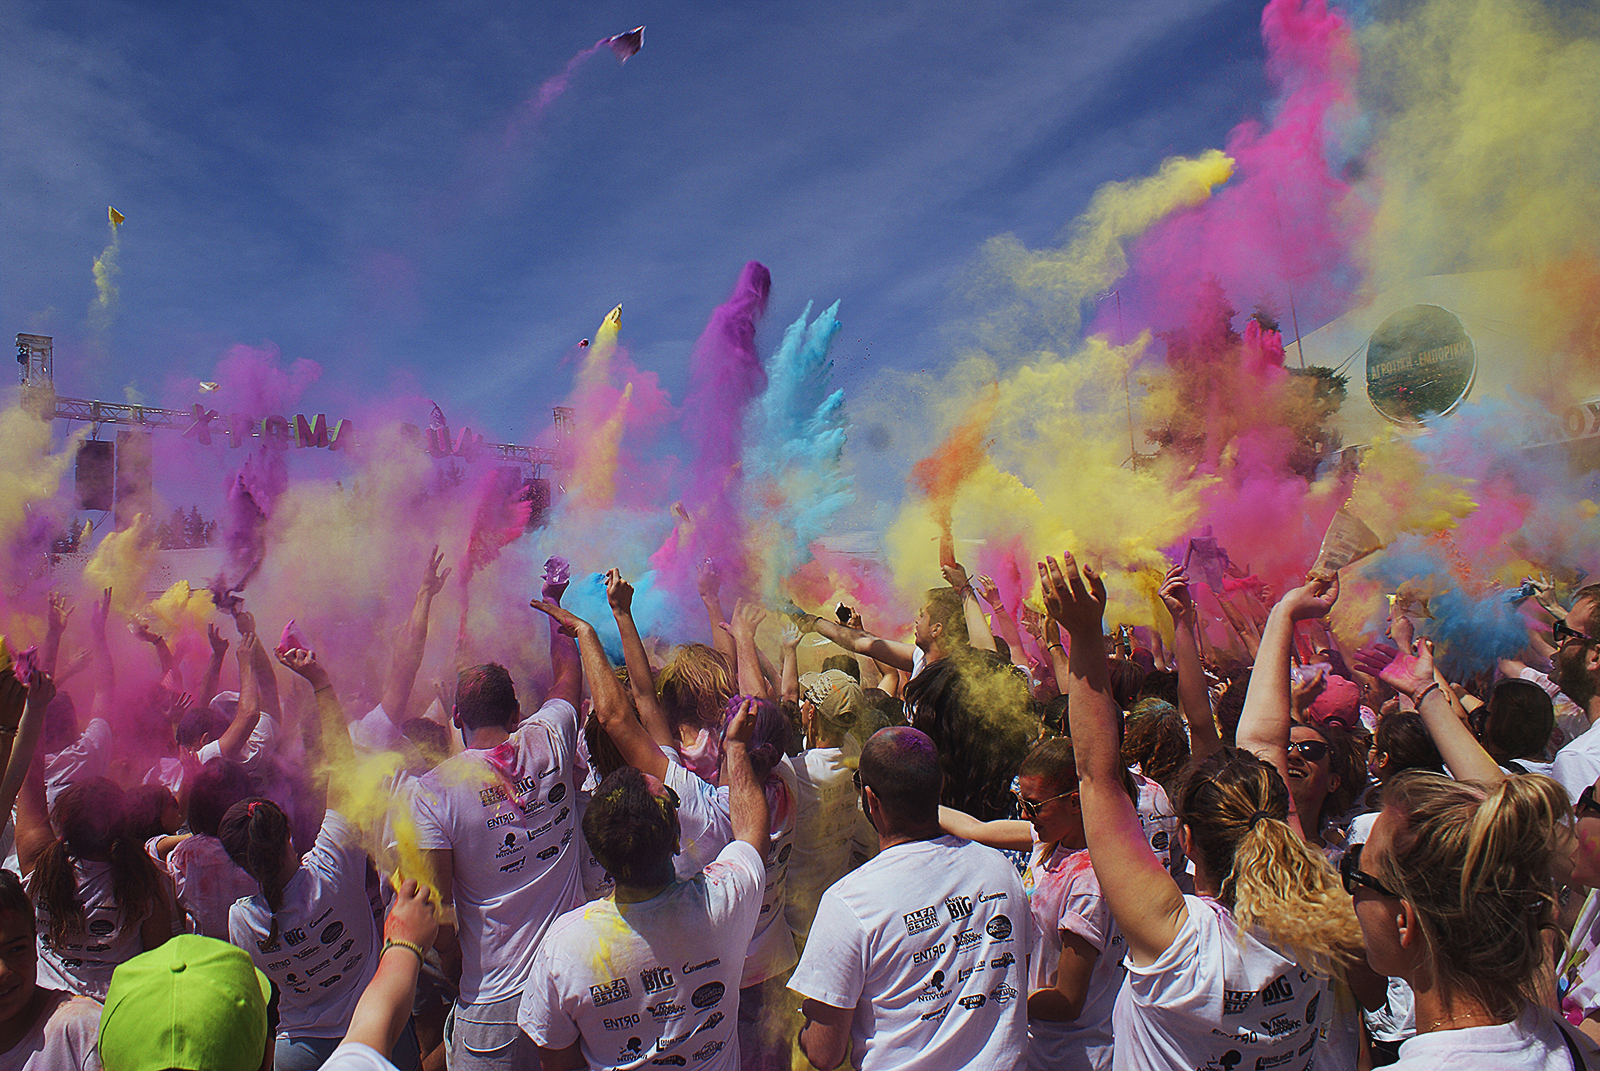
329 178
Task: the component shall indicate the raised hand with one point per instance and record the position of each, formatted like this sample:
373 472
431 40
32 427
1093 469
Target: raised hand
747 617
955 575
412 917
41 689
789 635
989 590
707 580
305 664
142 630
245 622
742 729
57 613
562 620
1076 601
1411 673
219 642
1314 598
101 611
619 593
557 574
1176 595
432 579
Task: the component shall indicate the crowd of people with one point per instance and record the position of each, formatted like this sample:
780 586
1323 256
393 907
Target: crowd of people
1023 837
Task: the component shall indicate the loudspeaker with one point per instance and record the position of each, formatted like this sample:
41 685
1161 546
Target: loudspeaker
135 487
537 491
94 473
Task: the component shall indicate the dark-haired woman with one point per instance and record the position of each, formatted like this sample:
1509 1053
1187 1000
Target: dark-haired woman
309 926
1235 976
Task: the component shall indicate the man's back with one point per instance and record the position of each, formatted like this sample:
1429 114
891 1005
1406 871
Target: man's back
929 943
507 815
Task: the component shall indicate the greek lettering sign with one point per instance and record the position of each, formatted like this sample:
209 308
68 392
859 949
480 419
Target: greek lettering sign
1420 363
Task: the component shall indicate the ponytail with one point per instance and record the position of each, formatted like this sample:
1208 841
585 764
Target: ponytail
256 834
1236 809
55 888
92 816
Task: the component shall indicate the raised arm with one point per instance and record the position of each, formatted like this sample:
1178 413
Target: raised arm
21 721
1194 700
413 641
385 1005
978 634
1005 834
1146 902
709 583
1264 722
747 617
889 652
266 678
641 681
248 711
171 674
611 704
564 666
219 651
1414 675
1001 622
56 614
105 679
747 801
327 737
789 674
34 834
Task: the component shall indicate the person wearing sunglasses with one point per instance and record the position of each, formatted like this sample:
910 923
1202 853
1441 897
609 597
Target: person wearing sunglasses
1077 970
1577 673
1454 891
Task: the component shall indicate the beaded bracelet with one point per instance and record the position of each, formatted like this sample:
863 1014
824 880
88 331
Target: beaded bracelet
409 945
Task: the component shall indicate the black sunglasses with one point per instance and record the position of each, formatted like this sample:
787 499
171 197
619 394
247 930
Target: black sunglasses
1564 632
1310 750
1031 808
1586 802
1352 874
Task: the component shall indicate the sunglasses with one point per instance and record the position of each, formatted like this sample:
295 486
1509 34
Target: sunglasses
1352 874
1310 750
1586 802
1031 808
1564 632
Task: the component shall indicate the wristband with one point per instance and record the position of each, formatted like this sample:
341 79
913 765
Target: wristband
1416 700
410 946
8 730
1052 646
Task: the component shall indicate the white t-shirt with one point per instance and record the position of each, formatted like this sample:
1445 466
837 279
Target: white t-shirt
84 962
375 731
1578 764
326 949
354 1056
929 943
655 982
208 883
507 814
830 830
1160 823
705 822
1211 996
1532 1043
62 1040
85 758
1064 894
258 749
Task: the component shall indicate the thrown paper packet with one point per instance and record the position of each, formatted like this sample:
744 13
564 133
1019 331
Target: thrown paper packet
557 570
292 639
1348 540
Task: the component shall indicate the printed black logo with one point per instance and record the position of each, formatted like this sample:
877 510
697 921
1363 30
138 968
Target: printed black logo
999 928
320 919
307 953
498 820
1002 961
622 1023
687 969
1275 1060
959 907
976 1000
928 953
558 792
527 784
332 933
325 983
1279 1025
936 1014
671 1061
513 866
1002 994
709 1024
708 995
278 966
549 852
984 898
966 972
783 853
102 927
314 971
295 936
655 979
966 939
934 989
925 919
634 1047
1311 1007
561 815
490 795
667 1009
342 949
610 993
542 830
708 1050
1277 991
1234 1002
1310 1041
350 964
1159 841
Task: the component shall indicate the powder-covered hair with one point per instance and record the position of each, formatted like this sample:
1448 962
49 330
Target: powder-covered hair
631 832
1476 864
695 686
1273 881
1155 740
256 833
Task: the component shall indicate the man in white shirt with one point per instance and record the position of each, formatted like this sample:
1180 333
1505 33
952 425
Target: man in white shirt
496 824
1577 671
650 975
919 958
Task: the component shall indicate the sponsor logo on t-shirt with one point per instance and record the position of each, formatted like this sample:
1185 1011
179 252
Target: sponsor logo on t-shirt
708 995
1311 1007
610 993
332 933
936 1014
708 1050
966 939
934 989
527 784
1159 841
1002 961
999 927
709 1024
514 866
783 853
622 1023
924 919
1002 994
667 1009
1235 1001
350 964
278 966
1277 1059
1247 1037
510 847
671 1061
547 853
314 971
1279 1025
655 979
489 795
633 1049
1310 1041
498 820
307 953
542 830
320 919
558 792
102 927
984 898
960 907
928 953
342 949
326 982
1277 991
972 1002
688 969
295 936
966 972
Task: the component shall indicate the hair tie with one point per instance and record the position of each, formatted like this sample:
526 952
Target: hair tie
1258 816
250 808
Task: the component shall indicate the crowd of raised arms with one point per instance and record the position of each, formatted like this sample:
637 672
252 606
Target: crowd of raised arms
1013 839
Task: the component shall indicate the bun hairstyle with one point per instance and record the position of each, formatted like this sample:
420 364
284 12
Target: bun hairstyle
767 746
92 818
1236 809
1476 864
256 835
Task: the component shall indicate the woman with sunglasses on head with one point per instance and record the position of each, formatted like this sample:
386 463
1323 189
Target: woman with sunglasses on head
1077 971
1235 976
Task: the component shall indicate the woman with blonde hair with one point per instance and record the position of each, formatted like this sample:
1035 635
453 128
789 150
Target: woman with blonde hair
694 688
1235 976
1454 893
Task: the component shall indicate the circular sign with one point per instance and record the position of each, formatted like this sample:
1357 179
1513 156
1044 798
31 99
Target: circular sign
1420 363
